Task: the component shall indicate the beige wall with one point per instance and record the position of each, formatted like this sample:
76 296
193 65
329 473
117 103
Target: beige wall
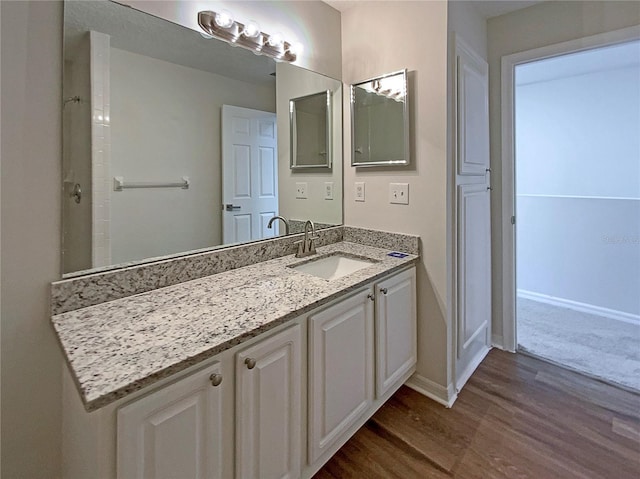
314 24
31 175
416 40
534 27
293 83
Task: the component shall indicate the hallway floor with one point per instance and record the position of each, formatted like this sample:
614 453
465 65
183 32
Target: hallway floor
517 417
601 347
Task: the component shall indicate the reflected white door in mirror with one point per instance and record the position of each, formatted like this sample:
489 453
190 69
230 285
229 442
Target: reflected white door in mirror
250 174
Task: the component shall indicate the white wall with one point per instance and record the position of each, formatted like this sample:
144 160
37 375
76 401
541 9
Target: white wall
166 124
540 25
31 211
370 48
293 83
574 240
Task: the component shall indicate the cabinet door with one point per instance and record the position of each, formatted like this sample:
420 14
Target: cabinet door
268 409
340 369
474 278
472 109
174 432
396 350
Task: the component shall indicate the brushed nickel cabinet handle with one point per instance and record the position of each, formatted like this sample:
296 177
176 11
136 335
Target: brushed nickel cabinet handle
215 379
383 290
371 296
250 362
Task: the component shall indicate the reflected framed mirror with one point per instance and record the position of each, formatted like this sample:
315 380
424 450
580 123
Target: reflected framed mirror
155 163
380 121
310 129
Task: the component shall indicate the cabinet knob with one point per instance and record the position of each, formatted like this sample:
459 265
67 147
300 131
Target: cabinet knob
215 379
383 290
371 296
250 362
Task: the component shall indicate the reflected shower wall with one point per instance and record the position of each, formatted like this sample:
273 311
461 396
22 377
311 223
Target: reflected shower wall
76 118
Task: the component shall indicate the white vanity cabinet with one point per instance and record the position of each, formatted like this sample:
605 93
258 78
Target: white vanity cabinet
278 405
396 329
176 431
341 368
268 407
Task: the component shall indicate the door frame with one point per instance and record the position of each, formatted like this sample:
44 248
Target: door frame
508 65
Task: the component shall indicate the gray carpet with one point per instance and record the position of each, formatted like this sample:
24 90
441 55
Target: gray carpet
600 347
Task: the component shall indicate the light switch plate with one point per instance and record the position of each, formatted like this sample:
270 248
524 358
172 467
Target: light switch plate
399 193
359 191
301 191
328 190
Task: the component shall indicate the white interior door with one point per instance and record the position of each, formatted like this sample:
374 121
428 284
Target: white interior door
473 213
249 174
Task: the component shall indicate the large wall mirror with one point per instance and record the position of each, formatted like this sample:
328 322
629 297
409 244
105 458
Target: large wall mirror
380 121
174 142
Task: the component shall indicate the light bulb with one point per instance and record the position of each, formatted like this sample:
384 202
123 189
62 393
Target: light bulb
276 40
251 29
224 19
295 49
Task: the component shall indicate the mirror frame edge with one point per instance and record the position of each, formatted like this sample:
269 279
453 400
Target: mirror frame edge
406 124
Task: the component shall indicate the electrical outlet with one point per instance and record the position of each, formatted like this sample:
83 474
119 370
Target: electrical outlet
328 190
359 191
399 193
301 191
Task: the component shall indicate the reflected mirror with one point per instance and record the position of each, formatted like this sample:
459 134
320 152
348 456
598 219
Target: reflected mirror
173 142
310 127
380 121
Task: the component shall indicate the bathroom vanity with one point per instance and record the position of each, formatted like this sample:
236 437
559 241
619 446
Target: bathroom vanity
260 371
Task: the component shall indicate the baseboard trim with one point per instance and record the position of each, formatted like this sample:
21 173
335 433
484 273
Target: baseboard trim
440 394
497 341
471 367
582 307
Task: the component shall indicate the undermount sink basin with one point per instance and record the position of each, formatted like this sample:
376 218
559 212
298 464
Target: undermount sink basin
333 266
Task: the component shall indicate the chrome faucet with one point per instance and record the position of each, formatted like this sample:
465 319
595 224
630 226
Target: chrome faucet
306 246
281 218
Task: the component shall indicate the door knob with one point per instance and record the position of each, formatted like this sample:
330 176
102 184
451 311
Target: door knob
215 379
250 362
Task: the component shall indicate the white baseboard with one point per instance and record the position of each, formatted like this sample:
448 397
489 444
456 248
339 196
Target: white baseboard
497 341
443 395
464 376
582 307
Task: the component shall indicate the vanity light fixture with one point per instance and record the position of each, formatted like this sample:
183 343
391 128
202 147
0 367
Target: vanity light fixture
391 86
221 25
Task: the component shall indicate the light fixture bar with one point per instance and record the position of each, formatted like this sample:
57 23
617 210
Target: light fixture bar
236 33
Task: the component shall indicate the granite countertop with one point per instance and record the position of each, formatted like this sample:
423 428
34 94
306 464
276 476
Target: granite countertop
121 346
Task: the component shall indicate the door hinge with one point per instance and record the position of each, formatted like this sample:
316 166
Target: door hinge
513 220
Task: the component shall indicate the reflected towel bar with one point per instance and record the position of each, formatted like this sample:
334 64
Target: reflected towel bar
119 184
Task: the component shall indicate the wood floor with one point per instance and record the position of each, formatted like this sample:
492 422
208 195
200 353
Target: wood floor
517 417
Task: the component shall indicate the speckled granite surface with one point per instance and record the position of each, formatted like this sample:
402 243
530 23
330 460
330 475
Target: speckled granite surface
297 226
99 287
80 292
383 239
121 346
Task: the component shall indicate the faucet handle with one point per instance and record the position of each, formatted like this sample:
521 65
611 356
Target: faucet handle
301 247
